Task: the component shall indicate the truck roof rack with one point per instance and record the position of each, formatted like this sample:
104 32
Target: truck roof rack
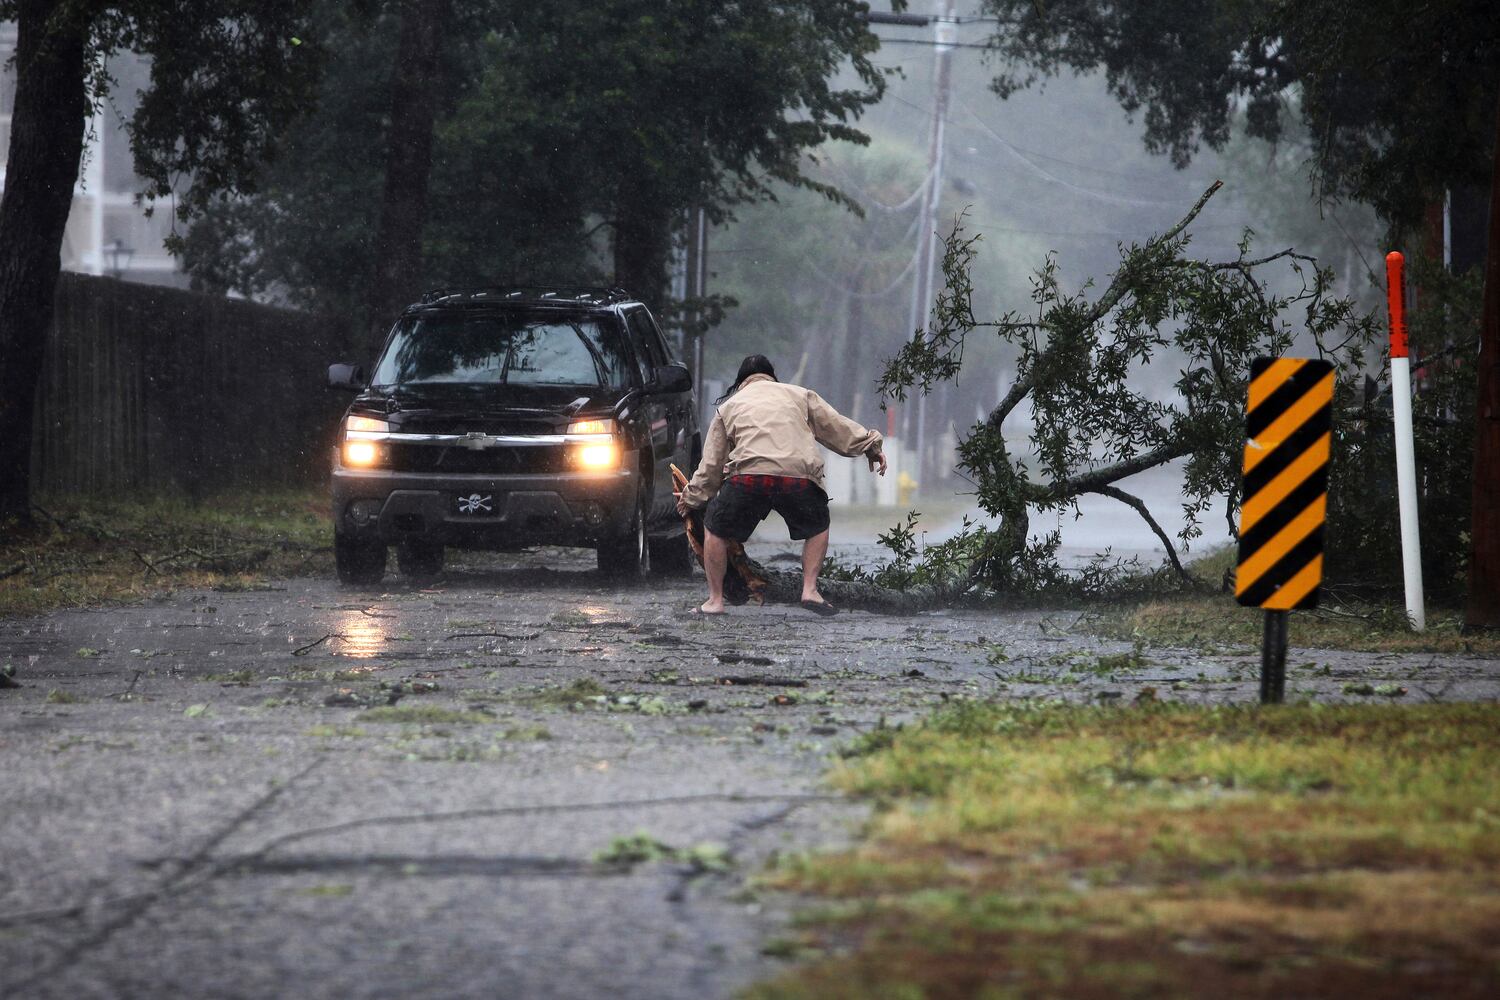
539 294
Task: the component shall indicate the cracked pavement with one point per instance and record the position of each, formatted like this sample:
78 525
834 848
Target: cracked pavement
319 791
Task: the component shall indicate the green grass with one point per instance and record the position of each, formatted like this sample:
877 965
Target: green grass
99 551
1217 622
563 696
1051 850
422 715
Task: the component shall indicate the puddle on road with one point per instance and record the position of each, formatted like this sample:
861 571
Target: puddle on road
361 636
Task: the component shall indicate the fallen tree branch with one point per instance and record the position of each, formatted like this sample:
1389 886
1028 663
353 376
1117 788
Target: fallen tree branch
785 587
1135 502
1246 265
1107 301
1093 480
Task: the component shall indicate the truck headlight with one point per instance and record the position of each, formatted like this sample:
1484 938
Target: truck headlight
598 426
358 423
597 457
361 453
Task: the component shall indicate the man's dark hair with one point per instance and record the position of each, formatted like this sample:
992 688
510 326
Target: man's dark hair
755 364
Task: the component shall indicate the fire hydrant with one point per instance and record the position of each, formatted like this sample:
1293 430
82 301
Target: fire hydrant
905 487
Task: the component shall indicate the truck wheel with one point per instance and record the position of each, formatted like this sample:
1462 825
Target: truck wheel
627 556
359 562
419 561
671 556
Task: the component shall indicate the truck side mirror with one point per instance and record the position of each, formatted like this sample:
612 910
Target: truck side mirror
345 376
672 378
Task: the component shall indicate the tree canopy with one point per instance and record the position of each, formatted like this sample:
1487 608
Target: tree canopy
225 75
565 123
1399 98
1401 101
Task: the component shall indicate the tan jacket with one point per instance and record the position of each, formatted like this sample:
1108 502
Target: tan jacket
773 428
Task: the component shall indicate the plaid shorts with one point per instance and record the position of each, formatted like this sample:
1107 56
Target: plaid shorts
744 501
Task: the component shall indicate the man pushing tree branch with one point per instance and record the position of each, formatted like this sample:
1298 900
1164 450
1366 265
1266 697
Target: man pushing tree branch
762 455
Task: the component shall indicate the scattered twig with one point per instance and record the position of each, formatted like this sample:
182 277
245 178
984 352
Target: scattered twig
758 661
791 682
51 517
1440 693
410 819
304 650
129 688
1327 612
492 635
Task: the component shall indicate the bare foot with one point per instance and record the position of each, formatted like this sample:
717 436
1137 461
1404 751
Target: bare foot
711 608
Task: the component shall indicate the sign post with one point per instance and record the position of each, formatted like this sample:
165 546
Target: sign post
1283 500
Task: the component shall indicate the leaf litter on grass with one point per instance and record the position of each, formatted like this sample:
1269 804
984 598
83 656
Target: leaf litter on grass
1040 848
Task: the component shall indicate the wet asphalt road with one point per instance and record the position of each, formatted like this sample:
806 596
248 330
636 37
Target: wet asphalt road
196 802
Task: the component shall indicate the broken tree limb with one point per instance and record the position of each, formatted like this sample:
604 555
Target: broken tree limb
744 581
1118 286
785 587
1139 506
1092 480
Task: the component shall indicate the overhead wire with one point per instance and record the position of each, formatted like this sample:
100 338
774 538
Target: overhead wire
1052 178
839 286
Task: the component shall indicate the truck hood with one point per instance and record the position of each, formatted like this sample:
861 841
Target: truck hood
491 409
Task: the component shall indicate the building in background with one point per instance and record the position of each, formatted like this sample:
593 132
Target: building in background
109 230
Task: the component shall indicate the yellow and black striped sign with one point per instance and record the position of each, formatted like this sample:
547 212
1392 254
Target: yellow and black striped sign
1284 494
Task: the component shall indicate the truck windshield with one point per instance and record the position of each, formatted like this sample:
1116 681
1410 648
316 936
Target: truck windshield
505 350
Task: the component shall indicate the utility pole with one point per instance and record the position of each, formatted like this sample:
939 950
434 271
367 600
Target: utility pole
1482 610
925 277
691 286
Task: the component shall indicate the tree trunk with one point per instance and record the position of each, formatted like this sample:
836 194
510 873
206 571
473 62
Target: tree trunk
46 141
1483 609
415 87
643 250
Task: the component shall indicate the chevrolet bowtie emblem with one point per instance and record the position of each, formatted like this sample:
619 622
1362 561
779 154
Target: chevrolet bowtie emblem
476 440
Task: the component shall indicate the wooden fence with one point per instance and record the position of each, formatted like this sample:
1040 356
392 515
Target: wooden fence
149 390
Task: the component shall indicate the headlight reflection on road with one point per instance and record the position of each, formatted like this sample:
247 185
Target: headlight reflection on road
363 636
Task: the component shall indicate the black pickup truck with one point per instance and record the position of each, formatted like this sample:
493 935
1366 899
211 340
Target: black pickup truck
503 418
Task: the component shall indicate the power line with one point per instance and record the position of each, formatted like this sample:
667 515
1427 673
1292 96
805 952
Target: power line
1092 234
933 44
1040 171
924 20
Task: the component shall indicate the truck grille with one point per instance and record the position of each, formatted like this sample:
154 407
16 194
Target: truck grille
405 457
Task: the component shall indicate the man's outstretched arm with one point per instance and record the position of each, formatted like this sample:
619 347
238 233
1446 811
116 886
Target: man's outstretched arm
837 432
709 475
